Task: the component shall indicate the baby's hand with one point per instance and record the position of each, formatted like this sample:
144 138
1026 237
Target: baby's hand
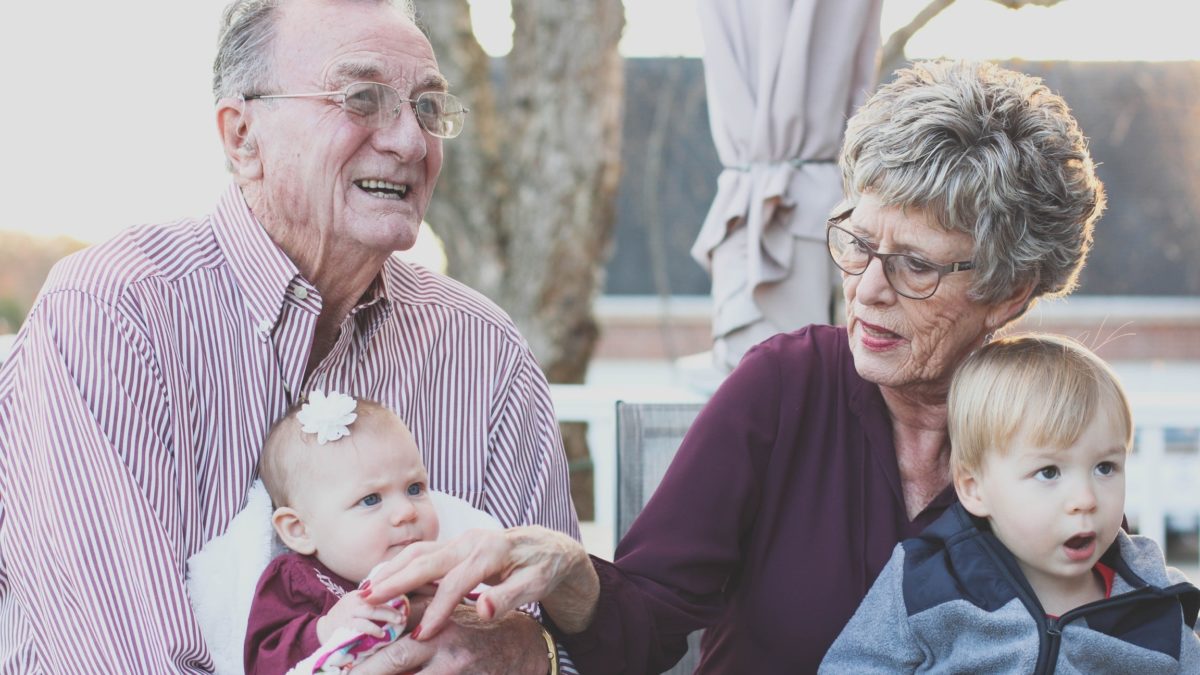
354 613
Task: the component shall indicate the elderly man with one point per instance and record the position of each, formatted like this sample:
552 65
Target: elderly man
138 393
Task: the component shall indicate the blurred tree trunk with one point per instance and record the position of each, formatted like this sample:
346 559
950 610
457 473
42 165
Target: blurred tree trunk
892 57
526 202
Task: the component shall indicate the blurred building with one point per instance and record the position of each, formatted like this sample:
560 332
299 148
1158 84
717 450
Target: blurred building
1139 296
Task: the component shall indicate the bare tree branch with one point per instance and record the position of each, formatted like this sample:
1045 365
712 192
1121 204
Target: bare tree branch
892 56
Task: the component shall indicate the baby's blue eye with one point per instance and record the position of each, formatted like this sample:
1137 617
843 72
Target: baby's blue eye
1106 468
416 490
371 499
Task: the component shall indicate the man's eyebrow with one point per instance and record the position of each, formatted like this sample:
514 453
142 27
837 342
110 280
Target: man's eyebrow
357 71
362 71
434 81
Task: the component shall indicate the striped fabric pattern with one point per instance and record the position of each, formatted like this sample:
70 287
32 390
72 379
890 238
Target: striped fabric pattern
137 395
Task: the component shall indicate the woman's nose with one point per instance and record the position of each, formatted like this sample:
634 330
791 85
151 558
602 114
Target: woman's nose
873 284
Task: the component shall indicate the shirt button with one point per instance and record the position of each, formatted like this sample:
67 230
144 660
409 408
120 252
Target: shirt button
300 292
264 326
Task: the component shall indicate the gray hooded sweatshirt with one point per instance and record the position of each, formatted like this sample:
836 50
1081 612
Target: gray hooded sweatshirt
953 600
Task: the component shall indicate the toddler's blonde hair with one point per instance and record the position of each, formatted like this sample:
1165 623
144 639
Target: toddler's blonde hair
1047 387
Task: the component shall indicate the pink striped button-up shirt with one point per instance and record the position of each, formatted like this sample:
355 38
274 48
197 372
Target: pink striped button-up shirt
137 395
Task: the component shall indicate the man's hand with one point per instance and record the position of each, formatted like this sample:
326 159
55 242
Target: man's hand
512 645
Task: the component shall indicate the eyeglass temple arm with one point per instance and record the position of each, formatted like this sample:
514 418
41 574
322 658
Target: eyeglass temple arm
314 94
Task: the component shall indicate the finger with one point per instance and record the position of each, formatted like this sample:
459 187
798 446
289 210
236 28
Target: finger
382 614
458 583
522 587
396 617
437 611
401 656
410 570
426 590
360 625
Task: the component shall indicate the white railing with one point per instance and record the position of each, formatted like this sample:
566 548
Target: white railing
1163 483
1164 478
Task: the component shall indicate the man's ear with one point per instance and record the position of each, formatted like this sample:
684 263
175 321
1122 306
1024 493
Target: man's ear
970 493
241 153
291 529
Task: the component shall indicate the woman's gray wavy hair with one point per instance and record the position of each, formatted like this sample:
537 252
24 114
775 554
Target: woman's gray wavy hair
985 151
243 63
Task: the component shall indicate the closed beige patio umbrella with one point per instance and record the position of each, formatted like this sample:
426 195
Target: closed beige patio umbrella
782 78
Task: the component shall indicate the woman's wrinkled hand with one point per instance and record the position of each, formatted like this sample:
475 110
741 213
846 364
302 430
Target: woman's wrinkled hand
521 565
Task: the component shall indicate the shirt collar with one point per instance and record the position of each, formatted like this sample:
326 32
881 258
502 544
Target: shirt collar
260 268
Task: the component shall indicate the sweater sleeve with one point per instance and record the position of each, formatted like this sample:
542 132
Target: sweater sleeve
673 566
282 629
878 638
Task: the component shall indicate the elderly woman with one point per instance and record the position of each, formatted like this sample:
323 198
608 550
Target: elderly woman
969 194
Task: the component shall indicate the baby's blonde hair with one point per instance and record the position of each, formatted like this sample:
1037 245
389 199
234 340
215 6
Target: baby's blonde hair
286 452
1048 387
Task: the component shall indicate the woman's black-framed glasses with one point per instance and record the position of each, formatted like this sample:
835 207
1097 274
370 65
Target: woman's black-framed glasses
376 105
908 275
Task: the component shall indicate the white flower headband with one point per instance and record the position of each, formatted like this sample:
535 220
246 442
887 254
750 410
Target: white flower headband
327 416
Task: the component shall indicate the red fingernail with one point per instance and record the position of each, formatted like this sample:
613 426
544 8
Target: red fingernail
366 584
416 632
489 609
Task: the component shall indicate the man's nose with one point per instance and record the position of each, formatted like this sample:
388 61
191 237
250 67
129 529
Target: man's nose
404 136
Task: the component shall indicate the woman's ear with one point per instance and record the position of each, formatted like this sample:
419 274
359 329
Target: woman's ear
970 493
233 125
1009 309
291 529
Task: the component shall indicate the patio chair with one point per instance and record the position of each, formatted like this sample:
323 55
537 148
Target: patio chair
648 434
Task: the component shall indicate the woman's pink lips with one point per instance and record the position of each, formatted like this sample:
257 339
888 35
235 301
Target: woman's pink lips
870 338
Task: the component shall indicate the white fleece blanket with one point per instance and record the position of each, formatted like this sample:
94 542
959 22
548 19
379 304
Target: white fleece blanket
222 576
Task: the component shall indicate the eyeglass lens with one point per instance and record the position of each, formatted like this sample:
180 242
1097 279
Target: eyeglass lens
376 105
911 277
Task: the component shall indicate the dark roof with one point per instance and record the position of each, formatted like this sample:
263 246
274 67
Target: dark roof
1142 119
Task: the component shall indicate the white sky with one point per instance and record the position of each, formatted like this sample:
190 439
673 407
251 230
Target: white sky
108 119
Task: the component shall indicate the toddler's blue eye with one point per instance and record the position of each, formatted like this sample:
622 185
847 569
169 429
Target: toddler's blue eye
1047 473
1106 468
371 499
416 490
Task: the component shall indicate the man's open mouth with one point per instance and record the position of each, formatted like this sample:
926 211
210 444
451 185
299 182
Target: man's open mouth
382 188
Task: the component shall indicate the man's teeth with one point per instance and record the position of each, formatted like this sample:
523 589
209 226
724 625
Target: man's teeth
383 186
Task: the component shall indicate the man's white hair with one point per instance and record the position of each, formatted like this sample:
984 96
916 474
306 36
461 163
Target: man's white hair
243 64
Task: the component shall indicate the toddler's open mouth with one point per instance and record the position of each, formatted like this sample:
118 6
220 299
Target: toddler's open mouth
1081 546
